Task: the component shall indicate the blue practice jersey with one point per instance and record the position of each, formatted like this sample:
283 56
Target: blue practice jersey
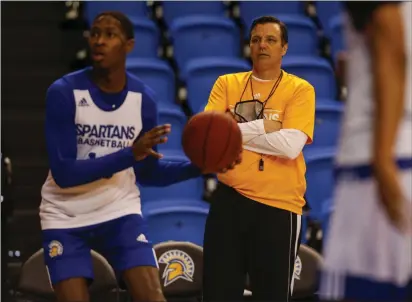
89 135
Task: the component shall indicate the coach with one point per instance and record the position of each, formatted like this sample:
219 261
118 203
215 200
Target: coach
254 221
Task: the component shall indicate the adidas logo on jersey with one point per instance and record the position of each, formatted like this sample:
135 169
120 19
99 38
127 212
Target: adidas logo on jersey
83 103
141 238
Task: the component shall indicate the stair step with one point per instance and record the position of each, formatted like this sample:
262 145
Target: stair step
26 197
29 171
42 53
26 236
23 132
38 43
32 13
35 85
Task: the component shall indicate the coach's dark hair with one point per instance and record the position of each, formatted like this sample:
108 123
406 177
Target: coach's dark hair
126 24
270 19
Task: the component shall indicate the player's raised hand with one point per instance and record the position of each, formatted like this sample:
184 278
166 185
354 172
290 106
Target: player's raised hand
143 147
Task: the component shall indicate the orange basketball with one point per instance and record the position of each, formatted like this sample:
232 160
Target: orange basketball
212 141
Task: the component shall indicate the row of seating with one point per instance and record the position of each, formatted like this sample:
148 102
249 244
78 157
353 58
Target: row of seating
200 36
246 10
184 283
201 74
198 29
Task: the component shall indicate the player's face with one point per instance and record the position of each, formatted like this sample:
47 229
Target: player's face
108 43
266 44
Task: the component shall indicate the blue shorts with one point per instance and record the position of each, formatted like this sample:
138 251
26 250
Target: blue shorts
122 241
348 288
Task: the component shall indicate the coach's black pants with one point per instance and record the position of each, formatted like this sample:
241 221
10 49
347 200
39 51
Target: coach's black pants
244 236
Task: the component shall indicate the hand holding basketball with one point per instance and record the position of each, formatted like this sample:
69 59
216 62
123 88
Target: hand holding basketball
213 142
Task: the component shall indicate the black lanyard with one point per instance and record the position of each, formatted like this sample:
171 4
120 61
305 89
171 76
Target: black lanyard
272 91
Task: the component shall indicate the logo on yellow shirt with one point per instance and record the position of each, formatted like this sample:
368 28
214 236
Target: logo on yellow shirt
268 113
179 265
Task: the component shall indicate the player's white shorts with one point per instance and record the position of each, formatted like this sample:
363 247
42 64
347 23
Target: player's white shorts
366 258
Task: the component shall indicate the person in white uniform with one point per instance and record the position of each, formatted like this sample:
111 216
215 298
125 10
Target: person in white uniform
368 251
102 133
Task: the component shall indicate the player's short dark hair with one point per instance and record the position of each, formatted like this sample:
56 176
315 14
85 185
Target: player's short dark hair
270 19
126 24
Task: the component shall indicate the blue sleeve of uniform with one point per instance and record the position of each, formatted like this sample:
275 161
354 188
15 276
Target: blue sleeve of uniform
155 172
61 140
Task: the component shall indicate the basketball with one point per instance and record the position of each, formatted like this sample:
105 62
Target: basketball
212 141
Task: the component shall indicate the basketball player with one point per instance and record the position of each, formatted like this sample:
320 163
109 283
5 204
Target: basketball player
102 132
254 221
368 253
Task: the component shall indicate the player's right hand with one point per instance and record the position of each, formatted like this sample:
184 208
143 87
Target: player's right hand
233 165
391 198
143 147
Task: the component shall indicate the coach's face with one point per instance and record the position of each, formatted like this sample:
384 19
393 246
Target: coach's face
266 45
108 43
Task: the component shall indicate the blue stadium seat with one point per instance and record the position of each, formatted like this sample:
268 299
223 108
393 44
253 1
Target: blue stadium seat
250 10
189 189
201 74
319 177
133 9
303 39
178 120
327 123
181 221
317 71
335 33
303 229
158 75
204 36
147 37
327 211
325 10
176 9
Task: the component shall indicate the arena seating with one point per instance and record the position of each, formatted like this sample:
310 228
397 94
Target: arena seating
172 10
327 123
326 10
215 36
201 74
302 36
176 219
203 40
183 258
315 70
34 282
158 75
335 32
249 10
319 177
181 49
